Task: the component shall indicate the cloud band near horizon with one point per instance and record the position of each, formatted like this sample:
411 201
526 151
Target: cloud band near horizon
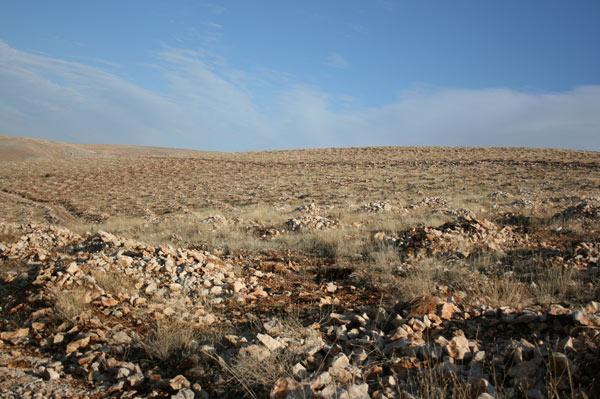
205 104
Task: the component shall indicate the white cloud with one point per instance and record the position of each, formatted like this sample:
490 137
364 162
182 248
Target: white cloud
206 104
214 8
68 100
489 117
336 60
358 28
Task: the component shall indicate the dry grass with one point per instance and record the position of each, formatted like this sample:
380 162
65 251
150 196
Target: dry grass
423 278
169 340
11 268
559 379
386 273
436 383
382 270
350 176
502 291
385 259
262 374
258 376
166 199
558 284
114 282
70 304
9 237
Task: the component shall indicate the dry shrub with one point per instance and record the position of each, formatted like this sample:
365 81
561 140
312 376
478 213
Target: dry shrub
69 304
291 327
481 261
436 383
424 277
232 239
556 284
381 271
262 374
328 243
501 291
10 268
420 280
391 222
385 257
559 381
264 214
15 279
9 237
321 245
170 339
114 282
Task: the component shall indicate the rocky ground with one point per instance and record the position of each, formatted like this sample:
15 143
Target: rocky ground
423 296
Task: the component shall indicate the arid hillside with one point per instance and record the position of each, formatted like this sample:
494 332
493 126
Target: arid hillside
26 148
327 273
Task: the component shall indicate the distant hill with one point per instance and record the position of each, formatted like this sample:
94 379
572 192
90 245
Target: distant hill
26 148
13 148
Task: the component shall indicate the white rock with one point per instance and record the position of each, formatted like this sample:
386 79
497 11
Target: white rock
299 371
458 347
356 392
271 343
238 286
331 288
51 374
72 268
184 393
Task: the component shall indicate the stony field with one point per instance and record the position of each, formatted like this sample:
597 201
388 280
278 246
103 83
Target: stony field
334 273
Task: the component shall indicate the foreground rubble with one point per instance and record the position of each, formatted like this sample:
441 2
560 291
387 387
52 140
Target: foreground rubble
103 316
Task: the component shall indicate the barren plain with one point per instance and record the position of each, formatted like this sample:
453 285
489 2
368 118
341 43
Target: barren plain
381 272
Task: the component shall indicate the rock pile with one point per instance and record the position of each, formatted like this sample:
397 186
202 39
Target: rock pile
523 203
87 300
430 202
499 195
377 352
310 222
214 220
77 311
587 208
458 238
311 208
376 207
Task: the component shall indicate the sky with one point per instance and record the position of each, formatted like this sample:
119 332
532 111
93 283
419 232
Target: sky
253 75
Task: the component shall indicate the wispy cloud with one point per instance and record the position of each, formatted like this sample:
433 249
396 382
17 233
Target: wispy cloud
214 25
207 104
336 60
388 5
358 28
214 8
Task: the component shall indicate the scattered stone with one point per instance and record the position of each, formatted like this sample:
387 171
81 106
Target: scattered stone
447 309
121 338
458 346
359 346
271 343
11 335
214 220
184 393
331 288
78 344
51 374
376 207
179 382
310 222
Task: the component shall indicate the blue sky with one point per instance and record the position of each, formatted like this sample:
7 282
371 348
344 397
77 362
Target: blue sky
240 75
